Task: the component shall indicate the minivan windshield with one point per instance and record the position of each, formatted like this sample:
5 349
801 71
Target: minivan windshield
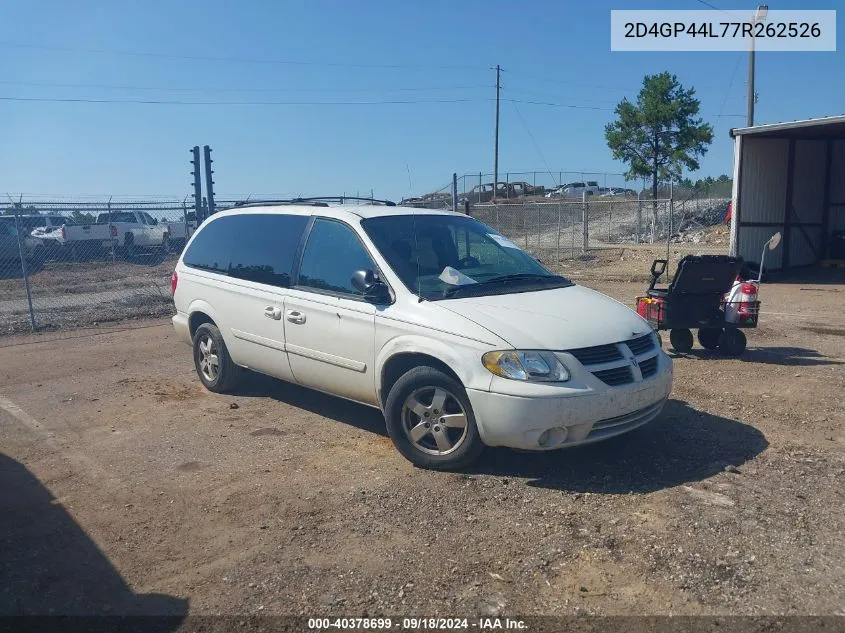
451 256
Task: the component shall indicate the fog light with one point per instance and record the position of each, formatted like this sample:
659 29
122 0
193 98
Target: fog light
544 437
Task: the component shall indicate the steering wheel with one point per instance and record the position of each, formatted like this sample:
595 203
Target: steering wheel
468 261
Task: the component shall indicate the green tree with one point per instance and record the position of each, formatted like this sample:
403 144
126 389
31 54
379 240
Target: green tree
78 217
18 209
661 134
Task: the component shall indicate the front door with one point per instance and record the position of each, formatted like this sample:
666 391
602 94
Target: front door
329 327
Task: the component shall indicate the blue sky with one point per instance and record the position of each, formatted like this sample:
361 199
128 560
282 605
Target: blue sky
431 50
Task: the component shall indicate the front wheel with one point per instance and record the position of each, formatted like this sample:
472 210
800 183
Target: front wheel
681 340
129 250
431 422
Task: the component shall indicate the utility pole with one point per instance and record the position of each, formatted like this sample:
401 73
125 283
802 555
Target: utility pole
751 95
195 161
209 183
496 144
759 16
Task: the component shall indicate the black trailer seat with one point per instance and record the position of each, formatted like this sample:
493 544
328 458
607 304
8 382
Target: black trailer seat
701 275
694 296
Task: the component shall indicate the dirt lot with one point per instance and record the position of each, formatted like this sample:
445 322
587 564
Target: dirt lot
132 488
68 295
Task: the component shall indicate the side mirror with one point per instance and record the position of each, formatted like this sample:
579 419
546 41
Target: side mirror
658 267
774 241
368 284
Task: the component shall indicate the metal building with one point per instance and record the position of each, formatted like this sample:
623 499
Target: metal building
789 177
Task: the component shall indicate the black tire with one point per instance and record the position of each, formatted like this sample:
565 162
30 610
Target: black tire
709 337
418 381
227 374
128 246
732 342
681 340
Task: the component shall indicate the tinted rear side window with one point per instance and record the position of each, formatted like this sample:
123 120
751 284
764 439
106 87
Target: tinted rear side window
256 247
210 248
263 247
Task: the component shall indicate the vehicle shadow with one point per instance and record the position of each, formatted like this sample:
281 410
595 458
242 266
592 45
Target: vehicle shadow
345 411
150 257
681 446
49 565
788 356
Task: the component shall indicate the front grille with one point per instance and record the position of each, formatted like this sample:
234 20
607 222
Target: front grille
597 355
641 345
620 424
648 367
615 376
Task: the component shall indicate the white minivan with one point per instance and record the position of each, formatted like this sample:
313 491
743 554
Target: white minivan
458 336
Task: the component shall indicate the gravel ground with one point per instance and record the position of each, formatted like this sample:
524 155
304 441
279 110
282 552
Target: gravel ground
70 295
133 489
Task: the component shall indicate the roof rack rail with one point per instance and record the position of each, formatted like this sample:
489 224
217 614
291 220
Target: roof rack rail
264 203
342 199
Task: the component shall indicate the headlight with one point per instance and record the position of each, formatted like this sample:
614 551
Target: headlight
526 365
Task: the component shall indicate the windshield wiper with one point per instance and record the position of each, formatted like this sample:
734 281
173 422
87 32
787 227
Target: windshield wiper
518 277
504 279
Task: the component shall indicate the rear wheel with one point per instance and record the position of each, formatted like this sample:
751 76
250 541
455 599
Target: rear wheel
128 246
681 340
214 366
709 337
732 342
431 422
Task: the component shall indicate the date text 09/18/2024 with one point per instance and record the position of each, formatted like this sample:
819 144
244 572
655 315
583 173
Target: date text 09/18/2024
418 624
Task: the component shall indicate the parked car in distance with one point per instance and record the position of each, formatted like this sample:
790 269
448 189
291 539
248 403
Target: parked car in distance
177 233
572 190
458 336
522 189
620 191
125 231
484 193
11 247
436 200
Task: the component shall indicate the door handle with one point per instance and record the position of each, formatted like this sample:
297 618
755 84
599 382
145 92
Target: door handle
295 316
272 312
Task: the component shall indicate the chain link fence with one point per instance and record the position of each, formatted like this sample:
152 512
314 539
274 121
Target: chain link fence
568 229
82 264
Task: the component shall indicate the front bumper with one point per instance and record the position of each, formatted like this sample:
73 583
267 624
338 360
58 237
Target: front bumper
546 420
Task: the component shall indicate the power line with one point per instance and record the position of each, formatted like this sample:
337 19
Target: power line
553 96
236 103
560 105
715 8
567 83
305 103
222 90
580 107
238 60
728 91
536 146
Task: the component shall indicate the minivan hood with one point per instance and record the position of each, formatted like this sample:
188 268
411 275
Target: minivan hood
554 319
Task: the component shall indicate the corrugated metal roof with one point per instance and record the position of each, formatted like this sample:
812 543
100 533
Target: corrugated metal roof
787 126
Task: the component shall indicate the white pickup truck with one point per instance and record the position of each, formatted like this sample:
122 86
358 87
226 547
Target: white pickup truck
179 232
126 231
